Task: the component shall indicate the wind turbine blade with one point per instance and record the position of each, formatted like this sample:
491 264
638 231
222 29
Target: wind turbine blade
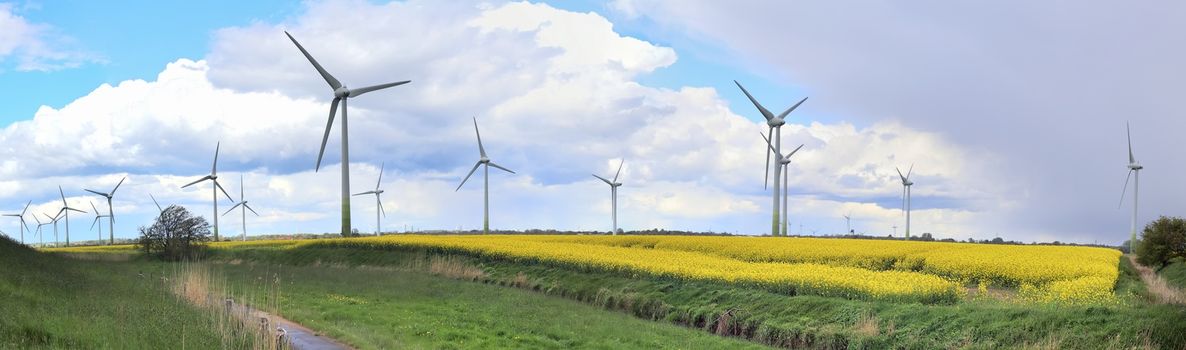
1128 130
242 189
63 196
1122 192
619 169
765 112
252 210
793 152
770 148
228 211
360 91
381 210
500 167
333 109
26 209
789 110
158 205
96 209
900 176
69 208
96 192
204 178
95 222
121 182
911 171
471 173
23 223
362 193
228 196
607 182
214 168
333 82
476 132
384 165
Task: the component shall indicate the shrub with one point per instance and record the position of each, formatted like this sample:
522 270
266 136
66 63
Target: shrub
175 235
1162 241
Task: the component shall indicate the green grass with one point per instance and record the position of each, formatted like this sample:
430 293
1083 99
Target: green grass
389 309
48 301
1175 274
800 321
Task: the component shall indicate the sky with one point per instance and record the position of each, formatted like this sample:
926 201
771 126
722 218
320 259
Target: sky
1012 113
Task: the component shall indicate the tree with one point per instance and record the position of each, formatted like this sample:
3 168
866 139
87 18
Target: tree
1162 241
175 235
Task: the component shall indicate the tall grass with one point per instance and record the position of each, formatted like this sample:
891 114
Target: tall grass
239 326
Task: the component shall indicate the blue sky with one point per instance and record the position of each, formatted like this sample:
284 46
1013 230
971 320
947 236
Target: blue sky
1009 136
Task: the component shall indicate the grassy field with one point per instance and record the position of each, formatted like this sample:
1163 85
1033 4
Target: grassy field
777 319
1175 274
390 309
48 301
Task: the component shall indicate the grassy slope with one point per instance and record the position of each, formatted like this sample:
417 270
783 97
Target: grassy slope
47 301
372 308
1175 274
813 321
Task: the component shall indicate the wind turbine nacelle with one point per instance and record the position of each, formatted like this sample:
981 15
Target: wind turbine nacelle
342 92
1135 166
776 122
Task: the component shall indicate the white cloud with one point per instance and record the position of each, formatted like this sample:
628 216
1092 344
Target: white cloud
36 47
555 95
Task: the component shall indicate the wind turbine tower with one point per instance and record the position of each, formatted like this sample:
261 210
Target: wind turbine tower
613 188
1134 171
378 202
906 184
486 163
213 177
110 210
242 203
784 162
21 216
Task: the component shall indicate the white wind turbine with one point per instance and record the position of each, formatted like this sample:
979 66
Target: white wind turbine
775 123
40 241
66 211
97 217
906 184
378 203
1134 167
486 175
110 210
848 223
242 203
54 221
784 162
213 177
613 187
21 215
341 94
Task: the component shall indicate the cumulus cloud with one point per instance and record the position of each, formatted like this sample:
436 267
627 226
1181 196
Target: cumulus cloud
556 97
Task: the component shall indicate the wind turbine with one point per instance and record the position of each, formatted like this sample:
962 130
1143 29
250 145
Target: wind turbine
24 226
906 184
775 123
613 188
242 203
40 241
66 210
110 210
97 217
483 161
54 220
784 162
213 177
848 223
378 203
341 94
1133 167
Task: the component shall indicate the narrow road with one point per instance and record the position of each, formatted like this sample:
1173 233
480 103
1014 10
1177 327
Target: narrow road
1165 293
298 336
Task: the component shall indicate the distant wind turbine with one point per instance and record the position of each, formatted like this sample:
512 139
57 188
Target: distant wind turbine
21 215
784 162
775 123
97 217
54 220
242 203
213 177
40 241
1134 167
341 94
110 210
487 163
66 211
613 188
848 223
378 203
906 184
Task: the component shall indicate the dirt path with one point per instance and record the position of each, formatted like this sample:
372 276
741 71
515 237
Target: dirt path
1164 293
299 337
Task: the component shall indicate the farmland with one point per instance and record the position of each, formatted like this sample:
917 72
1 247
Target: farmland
784 292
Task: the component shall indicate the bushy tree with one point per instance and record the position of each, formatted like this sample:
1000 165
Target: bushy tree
175 235
1162 241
